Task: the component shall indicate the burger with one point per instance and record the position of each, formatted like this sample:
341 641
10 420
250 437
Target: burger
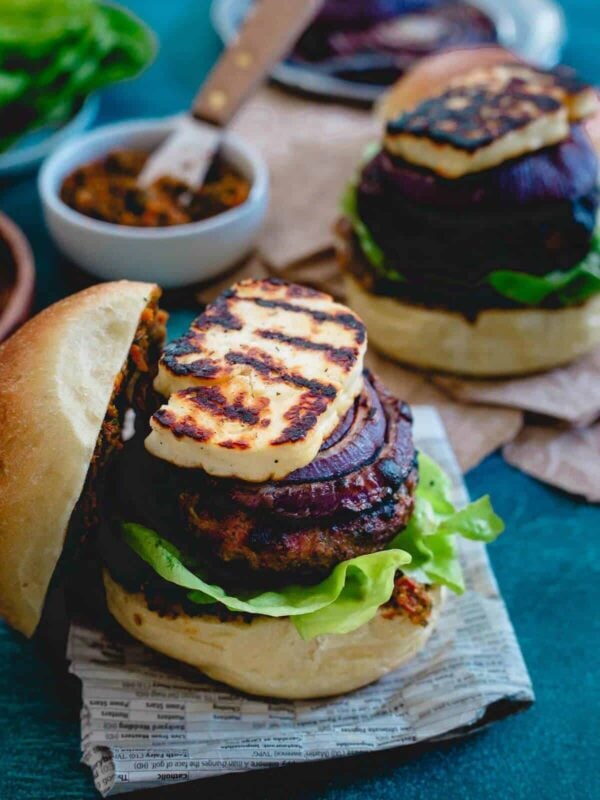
267 519
468 240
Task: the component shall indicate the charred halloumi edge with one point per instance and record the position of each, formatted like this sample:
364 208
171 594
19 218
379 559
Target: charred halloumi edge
452 162
579 98
259 382
543 109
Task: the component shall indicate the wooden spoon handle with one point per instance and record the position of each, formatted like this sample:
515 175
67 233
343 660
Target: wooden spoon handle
269 30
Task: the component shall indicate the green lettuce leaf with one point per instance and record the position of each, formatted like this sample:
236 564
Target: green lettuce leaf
368 245
349 207
567 287
12 85
350 595
430 534
54 53
33 28
355 589
124 46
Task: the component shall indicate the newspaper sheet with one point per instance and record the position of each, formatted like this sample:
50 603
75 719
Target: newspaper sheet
146 722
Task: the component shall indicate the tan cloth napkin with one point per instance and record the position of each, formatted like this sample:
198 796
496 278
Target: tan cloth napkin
567 458
310 210
474 431
565 455
570 394
322 272
312 149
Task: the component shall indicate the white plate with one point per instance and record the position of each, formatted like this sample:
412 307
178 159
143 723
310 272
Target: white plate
533 28
32 148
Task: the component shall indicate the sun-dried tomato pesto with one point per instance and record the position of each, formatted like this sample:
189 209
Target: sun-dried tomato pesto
409 598
131 388
106 189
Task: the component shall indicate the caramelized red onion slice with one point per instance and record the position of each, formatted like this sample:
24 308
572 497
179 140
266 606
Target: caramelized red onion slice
565 171
366 468
369 471
342 428
361 443
427 31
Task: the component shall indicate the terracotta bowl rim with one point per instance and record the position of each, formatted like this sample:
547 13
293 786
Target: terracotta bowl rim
19 304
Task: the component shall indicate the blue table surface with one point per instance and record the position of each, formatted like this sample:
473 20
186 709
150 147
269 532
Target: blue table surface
547 564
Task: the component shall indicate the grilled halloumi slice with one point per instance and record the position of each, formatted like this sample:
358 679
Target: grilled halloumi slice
488 116
579 98
258 383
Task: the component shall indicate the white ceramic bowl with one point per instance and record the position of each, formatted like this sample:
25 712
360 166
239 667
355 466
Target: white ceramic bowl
174 256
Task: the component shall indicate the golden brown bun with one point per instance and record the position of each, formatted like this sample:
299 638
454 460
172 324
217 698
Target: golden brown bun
267 656
57 375
499 343
431 75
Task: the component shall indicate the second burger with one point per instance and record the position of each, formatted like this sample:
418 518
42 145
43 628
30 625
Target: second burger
469 238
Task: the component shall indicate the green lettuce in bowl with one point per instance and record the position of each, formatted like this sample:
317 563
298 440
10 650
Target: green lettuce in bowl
350 596
55 53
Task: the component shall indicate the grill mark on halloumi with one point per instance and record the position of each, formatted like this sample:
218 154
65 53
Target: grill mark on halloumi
343 356
219 313
470 118
229 444
200 368
561 82
273 372
302 417
212 399
190 344
247 399
292 290
181 426
348 321
488 116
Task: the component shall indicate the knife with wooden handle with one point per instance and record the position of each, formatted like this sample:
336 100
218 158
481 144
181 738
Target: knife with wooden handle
268 32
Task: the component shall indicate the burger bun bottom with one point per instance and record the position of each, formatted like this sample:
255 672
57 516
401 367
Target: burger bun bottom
266 656
498 343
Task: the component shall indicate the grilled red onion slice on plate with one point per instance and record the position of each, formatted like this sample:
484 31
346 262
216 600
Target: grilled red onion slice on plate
420 31
358 13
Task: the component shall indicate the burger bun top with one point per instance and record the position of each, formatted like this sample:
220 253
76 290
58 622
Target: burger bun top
57 376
